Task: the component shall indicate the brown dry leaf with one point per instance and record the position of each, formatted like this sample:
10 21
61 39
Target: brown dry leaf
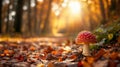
118 39
6 51
50 64
20 58
85 64
48 49
107 54
60 59
57 52
11 52
1 46
100 53
36 56
101 63
54 52
42 56
32 48
80 64
112 64
73 56
13 45
2 55
114 55
90 60
60 51
8 55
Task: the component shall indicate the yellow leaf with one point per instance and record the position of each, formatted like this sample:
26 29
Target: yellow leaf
40 65
110 36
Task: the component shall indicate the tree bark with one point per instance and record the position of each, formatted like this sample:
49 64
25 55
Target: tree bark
118 8
1 15
102 11
46 27
113 5
18 17
41 19
35 17
107 9
8 21
29 18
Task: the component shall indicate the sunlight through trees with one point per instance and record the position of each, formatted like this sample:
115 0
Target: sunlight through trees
55 17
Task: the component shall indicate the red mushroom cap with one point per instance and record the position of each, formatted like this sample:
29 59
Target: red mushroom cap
85 37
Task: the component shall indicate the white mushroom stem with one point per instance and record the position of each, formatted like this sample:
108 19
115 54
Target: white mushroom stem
86 50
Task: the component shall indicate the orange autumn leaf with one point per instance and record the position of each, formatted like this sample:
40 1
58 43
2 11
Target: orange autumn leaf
50 64
73 56
54 52
32 48
114 55
2 55
60 59
107 54
100 53
6 51
86 64
90 60
37 56
48 49
57 52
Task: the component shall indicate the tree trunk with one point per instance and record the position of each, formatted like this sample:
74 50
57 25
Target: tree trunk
102 11
112 9
11 23
107 10
35 17
118 7
38 27
1 15
113 5
8 22
18 17
46 27
90 15
29 18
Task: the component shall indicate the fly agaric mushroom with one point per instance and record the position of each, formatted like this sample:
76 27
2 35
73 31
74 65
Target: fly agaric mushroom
85 38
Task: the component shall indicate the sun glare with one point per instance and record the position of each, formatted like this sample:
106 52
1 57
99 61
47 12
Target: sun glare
75 7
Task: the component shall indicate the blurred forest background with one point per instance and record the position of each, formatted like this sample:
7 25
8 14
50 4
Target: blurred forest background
55 17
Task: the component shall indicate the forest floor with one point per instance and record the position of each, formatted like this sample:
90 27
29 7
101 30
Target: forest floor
54 52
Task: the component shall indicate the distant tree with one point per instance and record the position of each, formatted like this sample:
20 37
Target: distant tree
46 27
42 11
102 11
1 15
35 17
8 21
113 5
29 17
18 17
118 7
